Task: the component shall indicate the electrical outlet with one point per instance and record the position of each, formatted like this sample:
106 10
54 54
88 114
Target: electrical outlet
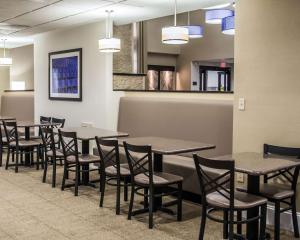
242 104
240 177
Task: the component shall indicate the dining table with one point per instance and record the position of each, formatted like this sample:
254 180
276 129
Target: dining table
86 135
255 165
27 134
166 146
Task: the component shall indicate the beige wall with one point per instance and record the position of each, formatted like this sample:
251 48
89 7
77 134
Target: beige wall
99 103
267 58
22 67
4 75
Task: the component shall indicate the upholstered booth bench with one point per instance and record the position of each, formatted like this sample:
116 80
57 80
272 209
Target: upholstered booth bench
208 121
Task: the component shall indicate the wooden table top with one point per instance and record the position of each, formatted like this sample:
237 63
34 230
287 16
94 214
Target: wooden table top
89 133
6 118
34 124
168 146
256 164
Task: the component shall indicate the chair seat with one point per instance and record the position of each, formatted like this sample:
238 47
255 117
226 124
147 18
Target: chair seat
83 159
276 191
38 140
58 153
112 171
25 143
242 200
159 178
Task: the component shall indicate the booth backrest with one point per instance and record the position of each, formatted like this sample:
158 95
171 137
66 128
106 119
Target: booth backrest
208 121
18 104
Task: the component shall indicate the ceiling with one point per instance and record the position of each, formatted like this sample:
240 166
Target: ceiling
20 20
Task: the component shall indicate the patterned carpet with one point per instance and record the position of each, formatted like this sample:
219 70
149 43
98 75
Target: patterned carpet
33 210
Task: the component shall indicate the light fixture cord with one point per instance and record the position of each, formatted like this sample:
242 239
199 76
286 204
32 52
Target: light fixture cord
175 14
4 47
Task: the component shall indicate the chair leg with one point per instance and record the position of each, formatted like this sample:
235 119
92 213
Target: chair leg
151 207
22 153
225 224
102 186
7 159
146 197
1 152
239 226
37 159
294 214
203 221
13 156
53 172
64 177
125 190
179 204
262 234
231 219
77 176
17 161
118 196
45 171
131 201
277 221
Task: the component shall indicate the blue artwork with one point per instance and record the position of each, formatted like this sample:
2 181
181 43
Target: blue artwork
65 75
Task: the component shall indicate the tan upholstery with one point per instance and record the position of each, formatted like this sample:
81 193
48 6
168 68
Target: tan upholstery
25 143
207 121
242 200
159 178
112 171
276 191
58 153
18 104
87 158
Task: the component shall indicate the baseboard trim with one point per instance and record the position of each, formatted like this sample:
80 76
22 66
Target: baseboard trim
286 221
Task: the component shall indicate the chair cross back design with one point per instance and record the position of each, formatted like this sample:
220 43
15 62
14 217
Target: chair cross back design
110 158
59 122
10 128
69 144
48 139
45 119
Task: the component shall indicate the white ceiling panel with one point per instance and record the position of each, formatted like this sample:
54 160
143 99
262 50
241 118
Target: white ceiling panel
45 15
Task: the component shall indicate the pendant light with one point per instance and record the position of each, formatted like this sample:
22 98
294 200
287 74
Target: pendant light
228 25
216 16
175 34
109 44
195 31
5 61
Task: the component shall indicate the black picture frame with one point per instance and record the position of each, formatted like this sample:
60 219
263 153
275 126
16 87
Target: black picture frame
62 96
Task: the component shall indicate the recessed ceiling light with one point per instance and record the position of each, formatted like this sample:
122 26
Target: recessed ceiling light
217 6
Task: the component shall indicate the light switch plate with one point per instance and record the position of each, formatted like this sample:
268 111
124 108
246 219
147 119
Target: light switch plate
240 177
242 104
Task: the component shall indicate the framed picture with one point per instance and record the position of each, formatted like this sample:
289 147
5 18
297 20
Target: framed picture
65 75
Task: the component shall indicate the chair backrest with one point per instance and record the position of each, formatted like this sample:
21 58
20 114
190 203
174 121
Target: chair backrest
60 122
140 162
44 119
69 144
218 183
291 177
11 132
110 157
48 139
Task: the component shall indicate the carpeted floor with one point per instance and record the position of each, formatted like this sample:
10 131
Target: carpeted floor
33 210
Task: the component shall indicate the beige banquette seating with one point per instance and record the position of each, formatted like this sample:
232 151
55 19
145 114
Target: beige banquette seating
19 104
208 121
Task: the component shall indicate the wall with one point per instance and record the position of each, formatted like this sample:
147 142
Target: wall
4 75
267 57
22 67
99 104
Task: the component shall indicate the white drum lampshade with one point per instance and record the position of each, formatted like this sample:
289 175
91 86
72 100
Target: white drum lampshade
175 35
110 45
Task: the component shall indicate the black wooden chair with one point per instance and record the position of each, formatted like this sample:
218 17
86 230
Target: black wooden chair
60 122
3 143
73 161
52 155
111 170
156 183
218 196
18 146
44 119
280 193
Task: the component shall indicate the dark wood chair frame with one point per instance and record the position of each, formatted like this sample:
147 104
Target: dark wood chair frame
145 165
47 136
12 135
220 185
292 179
3 145
107 159
69 145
